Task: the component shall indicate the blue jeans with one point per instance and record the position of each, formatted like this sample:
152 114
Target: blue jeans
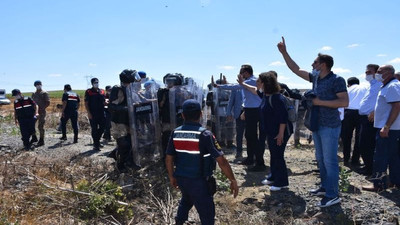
326 147
195 192
387 154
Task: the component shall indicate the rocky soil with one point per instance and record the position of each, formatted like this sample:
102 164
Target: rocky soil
46 170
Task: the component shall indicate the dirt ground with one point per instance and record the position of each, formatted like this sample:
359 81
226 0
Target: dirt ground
33 183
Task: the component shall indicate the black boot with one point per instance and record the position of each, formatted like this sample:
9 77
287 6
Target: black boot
63 138
40 143
75 138
33 139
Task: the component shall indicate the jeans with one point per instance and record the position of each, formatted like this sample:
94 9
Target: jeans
240 127
195 192
278 165
326 147
387 154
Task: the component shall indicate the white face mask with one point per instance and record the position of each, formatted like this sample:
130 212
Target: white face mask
96 85
315 72
378 77
39 87
369 77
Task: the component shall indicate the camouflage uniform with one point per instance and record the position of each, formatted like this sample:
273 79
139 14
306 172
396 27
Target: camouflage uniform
42 100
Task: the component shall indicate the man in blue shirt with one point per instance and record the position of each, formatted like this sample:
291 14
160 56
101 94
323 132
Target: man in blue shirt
193 151
366 111
251 103
233 111
331 94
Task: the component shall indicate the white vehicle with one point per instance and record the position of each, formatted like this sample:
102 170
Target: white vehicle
3 99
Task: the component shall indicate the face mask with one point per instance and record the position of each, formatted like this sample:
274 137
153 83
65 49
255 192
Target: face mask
378 77
369 78
39 87
96 85
18 97
315 72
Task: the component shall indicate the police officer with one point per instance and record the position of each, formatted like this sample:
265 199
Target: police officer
107 134
120 120
70 106
94 104
193 150
42 99
25 114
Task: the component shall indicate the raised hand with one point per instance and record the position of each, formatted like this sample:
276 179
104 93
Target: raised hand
282 45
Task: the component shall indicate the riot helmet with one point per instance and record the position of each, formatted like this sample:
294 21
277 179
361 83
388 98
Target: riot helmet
129 76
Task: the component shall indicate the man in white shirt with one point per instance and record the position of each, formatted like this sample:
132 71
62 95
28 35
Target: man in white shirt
387 121
351 121
366 111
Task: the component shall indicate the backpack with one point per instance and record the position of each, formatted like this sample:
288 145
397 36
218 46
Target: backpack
290 108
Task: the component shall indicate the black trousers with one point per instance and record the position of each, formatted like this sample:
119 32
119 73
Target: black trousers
73 116
367 142
252 116
97 124
350 123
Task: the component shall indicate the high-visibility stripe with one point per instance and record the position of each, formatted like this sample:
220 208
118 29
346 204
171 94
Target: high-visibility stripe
27 106
19 107
189 152
187 131
186 139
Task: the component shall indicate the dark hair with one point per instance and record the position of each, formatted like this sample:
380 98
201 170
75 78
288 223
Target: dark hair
108 87
247 68
270 84
94 80
274 73
67 87
353 80
192 115
327 59
373 66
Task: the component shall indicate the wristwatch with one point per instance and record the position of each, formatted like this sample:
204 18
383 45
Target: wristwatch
386 127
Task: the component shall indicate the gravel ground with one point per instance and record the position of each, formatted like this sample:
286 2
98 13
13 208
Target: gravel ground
255 203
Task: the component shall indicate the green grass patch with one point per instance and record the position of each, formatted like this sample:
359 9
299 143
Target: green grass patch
52 94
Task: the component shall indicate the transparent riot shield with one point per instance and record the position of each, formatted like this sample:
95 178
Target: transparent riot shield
144 126
178 95
222 127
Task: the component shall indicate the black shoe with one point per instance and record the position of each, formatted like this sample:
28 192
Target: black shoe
258 168
40 143
63 138
75 139
34 139
96 148
247 162
355 163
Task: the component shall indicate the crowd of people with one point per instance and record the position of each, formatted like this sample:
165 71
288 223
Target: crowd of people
255 107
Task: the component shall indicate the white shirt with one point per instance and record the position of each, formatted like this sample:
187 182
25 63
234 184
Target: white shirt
367 104
356 93
388 94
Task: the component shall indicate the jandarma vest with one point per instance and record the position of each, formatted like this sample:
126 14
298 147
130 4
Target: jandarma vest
190 161
24 108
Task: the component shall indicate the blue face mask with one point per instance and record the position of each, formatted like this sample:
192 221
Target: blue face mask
315 72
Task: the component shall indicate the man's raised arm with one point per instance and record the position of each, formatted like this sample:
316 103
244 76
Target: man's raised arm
290 63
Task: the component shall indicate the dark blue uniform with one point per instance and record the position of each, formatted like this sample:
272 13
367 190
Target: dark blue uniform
195 150
95 98
70 112
25 109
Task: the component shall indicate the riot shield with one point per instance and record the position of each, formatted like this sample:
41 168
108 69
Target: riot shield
144 126
222 128
177 95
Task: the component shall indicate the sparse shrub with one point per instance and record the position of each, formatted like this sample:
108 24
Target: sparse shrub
103 201
344 182
222 181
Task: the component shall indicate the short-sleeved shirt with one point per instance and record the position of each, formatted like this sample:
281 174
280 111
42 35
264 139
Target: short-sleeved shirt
187 156
72 100
41 98
96 101
389 93
326 89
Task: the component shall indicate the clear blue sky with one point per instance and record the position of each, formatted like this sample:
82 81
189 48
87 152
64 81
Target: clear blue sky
61 42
